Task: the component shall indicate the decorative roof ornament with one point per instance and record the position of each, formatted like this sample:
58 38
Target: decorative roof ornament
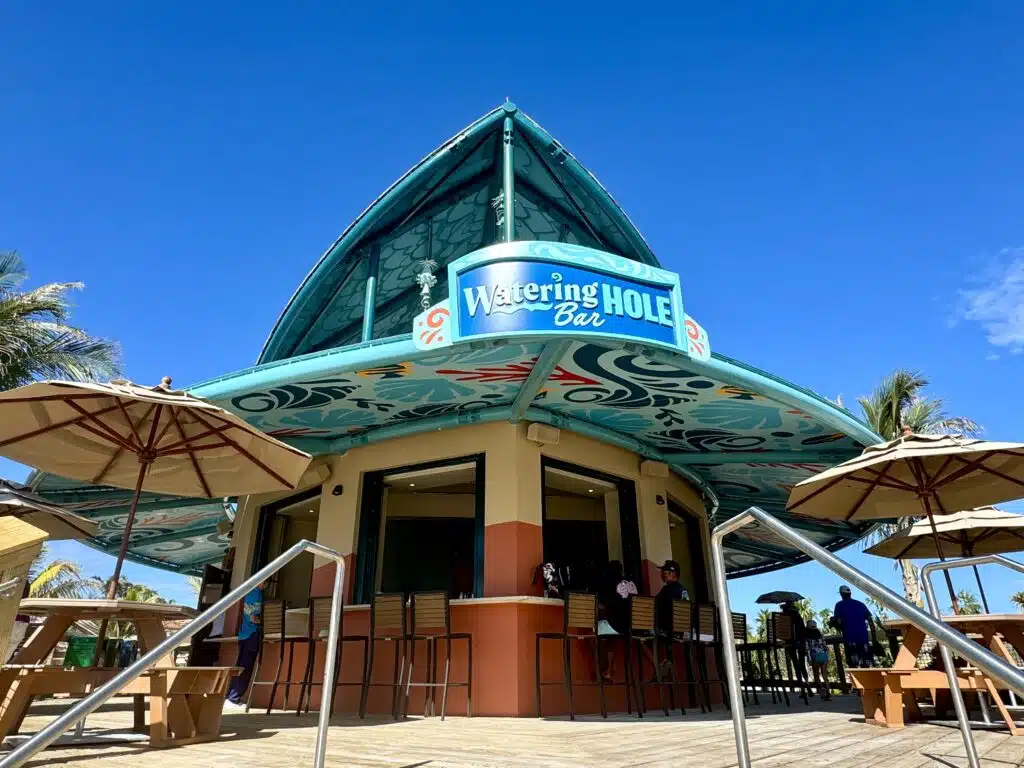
426 280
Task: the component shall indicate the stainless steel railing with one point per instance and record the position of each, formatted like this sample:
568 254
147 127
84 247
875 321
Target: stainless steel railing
947 637
97 698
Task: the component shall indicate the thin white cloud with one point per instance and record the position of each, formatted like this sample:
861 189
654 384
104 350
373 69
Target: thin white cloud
995 301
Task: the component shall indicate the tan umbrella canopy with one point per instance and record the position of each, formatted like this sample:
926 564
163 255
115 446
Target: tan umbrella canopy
914 475
982 531
145 438
57 522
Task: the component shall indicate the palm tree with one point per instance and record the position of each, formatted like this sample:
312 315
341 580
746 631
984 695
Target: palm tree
35 340
1017 598
896 403
59 579
968 602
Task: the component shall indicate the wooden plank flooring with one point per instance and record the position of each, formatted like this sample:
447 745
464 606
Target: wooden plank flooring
823 735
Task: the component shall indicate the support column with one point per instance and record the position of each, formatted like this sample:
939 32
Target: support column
655 536
513 538
337 528
509 176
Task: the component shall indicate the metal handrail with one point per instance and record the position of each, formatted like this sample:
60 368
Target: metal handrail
984 659
97 698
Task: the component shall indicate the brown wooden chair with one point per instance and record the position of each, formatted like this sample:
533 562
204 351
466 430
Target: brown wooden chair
642 631
706 636
739 634
432 622
272 623
318 628
387 625
579 623
681 637
782 633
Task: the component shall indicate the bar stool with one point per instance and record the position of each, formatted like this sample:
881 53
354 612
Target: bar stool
739 633
318 629
706 626
273 624
431 622
781 632
387 624
681 637
642 631
579 622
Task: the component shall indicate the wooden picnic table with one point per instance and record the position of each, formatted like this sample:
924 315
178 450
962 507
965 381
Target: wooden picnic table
889 691
185 702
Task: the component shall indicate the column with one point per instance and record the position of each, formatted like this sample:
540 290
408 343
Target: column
655 536
337 527
513 538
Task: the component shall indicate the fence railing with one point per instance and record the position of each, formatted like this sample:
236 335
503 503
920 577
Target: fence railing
97 698
946 636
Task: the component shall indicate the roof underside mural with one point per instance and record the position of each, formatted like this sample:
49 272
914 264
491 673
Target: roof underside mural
339 370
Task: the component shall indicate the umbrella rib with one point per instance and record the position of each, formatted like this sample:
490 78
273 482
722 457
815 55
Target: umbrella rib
113 433
245 453
186 440
48 398
191 455
868 492
941 469
906 549
891 482
991 471
196 448
811 495
43 430
106 468
105 436
131 424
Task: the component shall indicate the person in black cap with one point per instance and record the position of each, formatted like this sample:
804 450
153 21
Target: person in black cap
671 590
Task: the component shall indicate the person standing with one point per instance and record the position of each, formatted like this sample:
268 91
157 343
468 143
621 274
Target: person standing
671 589
797 652
817 653
250 638
853 619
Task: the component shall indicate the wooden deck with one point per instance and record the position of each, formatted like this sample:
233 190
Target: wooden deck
832 735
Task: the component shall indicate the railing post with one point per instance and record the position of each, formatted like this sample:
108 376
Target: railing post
327 689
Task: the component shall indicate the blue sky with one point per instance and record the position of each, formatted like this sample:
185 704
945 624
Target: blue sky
837 184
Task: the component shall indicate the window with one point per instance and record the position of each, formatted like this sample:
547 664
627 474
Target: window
688 550
421 528
589 519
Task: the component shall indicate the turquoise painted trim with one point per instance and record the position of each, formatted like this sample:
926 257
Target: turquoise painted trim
560 156
577 256
547 361
355 358
758 457
508 174
370 300
478 416
163 538
365 220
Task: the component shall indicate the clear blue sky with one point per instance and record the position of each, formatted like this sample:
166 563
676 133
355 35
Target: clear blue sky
839 185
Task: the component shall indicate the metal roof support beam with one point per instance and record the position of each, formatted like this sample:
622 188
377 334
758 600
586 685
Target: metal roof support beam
756 457
372 268
508 185
162 538
547 361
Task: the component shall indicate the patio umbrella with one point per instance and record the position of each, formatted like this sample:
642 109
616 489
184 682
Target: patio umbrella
778 597
144 438
16 501
982 531
914 474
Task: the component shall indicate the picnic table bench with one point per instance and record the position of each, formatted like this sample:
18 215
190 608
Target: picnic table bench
185 703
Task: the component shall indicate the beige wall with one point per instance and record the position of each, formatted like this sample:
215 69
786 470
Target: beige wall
512 492
575 508
430 505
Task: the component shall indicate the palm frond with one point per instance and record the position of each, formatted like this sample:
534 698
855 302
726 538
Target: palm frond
12 271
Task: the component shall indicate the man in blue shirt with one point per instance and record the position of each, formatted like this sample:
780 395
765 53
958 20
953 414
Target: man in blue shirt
854 621
250 638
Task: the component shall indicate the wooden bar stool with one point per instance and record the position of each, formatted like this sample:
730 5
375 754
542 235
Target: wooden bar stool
387 624
579 622
681 637
705 627
739 633
431 622
641 632
273 625
319 626
781 632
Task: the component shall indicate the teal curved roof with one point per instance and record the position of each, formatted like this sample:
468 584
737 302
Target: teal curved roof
444 208
333 376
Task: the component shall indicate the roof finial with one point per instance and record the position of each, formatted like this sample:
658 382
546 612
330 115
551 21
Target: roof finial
165 382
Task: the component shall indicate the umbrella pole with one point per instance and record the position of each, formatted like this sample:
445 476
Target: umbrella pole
125 540
942 558
981 589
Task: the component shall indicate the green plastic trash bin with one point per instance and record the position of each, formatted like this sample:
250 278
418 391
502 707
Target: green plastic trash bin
80 651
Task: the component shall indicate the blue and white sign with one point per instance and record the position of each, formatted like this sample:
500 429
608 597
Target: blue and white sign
532 288
535 296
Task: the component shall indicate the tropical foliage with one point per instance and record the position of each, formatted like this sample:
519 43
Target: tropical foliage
59 579
968 603
36 341
899 402
1017 598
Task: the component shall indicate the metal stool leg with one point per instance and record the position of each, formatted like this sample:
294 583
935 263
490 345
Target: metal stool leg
447 673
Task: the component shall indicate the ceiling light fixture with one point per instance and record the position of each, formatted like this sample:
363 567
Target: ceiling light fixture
591 490
412 485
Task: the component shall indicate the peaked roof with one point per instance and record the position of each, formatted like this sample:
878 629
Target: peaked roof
447 205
